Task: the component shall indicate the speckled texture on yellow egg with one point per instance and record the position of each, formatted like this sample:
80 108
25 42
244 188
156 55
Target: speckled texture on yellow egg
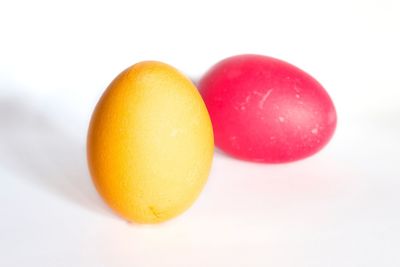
150 143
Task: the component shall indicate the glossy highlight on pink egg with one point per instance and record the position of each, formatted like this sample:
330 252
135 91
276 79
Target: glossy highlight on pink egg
266 110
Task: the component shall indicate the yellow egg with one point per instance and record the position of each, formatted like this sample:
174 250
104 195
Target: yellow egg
150 143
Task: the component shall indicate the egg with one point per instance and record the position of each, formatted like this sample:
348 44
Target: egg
266 110
150 143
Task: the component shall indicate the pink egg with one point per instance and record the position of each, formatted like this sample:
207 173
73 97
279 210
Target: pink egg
266 110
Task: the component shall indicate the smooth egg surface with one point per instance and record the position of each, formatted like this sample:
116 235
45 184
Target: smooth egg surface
150 143
266 110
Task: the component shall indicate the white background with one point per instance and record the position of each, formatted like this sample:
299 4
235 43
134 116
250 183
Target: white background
337 208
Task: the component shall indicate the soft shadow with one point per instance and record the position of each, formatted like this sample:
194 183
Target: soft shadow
195 80
223 154
36 150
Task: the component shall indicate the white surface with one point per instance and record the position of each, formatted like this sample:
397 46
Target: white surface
338 208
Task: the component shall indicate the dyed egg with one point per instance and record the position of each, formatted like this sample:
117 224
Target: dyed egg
266 110
150 143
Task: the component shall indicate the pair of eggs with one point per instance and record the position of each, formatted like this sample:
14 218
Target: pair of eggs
151 136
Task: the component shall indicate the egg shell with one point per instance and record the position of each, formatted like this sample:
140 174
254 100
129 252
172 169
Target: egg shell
266 110
150 143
